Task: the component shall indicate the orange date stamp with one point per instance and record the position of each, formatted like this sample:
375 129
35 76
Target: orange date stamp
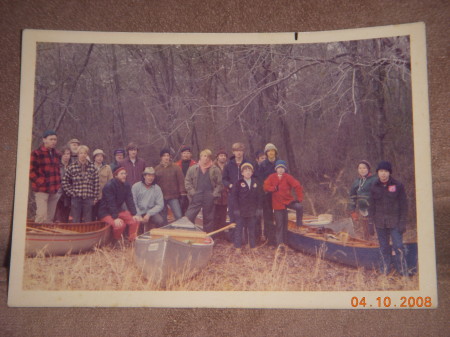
391 302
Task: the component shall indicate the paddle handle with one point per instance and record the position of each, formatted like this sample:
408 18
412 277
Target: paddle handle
232 225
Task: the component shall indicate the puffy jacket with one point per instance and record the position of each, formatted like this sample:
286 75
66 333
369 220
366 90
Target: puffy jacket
115 193
282 190
389 207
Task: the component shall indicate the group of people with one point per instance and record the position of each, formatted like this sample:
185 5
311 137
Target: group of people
256 194
72 186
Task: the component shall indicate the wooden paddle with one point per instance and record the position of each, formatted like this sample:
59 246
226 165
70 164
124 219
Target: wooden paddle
231 225
186 233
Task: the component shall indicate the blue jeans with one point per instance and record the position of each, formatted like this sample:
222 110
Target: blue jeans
386 250
245 223
174 206
81 209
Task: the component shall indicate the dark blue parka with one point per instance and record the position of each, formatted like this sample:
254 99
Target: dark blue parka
389 207
248 199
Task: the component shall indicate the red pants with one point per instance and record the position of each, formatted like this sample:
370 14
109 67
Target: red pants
128 220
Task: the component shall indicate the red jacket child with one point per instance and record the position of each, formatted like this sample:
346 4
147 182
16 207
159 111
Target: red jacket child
281 187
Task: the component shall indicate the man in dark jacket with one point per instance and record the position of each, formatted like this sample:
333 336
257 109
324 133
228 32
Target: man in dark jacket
247 196
388 211
171 180
116 192
45 177
118 157
133 165
185 163
266 168
232 173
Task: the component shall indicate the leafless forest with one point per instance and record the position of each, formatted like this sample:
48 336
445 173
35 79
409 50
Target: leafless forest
325 106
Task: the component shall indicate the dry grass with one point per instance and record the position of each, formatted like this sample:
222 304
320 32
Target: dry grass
263 269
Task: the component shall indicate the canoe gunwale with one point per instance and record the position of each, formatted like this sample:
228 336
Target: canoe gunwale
57 244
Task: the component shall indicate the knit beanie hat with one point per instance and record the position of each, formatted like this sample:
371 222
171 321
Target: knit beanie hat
385 165
365 162
119 151
48 133
221 151
185 148
117 170
247 165
269 147
280 163
163 152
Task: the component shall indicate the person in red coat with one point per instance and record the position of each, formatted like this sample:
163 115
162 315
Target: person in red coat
45 177
281 184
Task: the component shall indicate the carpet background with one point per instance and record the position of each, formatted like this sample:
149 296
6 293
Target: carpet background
225 16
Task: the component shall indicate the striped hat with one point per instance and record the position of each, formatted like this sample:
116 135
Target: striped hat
248 165
280 163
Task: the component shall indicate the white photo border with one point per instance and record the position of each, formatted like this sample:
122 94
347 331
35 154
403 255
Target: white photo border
213 299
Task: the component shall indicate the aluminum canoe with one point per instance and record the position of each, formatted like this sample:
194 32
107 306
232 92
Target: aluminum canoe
171 258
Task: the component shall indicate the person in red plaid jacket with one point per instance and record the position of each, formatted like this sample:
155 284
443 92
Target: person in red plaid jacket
81 183
45 177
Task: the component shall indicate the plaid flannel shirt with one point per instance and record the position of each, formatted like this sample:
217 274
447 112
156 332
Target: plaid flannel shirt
45 174
77 183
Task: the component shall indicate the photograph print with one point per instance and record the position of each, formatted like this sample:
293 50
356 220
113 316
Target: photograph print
166 169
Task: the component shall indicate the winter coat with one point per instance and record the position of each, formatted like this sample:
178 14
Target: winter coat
115 193
180 164
223 199
232 172
248 199
45 173
104 175
389 207
77 183
134 171
266 169
282 190
360 193
215 176
171 180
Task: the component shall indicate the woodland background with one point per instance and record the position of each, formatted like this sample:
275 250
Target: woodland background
325 106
